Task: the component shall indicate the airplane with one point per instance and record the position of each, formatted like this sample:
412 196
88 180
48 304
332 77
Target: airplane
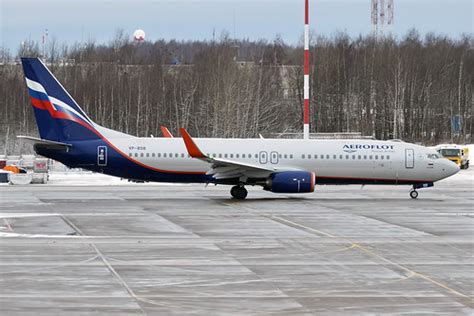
69 136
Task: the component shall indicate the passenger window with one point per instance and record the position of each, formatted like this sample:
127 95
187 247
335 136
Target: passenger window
220 155
170 155
381 157
256 155
285 156
130 154
370 157
347 156
280 156
327 156
341 156
322 156
376 157
315 156
231 155
388 157
334 157
358 157
159 155
141 154
147 155
225 155
365 157
236 155
353 157
243 155
182 155
164 155
303 156
291 156
153 155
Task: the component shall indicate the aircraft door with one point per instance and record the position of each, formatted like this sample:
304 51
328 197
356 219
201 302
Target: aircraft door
409 158
101 156
274 157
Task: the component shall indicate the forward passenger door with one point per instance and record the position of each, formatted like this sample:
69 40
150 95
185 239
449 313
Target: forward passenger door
409 158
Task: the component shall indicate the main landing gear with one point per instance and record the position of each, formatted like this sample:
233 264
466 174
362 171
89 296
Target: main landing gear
414 193
238 192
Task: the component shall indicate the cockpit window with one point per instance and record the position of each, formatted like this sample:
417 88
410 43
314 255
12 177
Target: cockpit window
434 156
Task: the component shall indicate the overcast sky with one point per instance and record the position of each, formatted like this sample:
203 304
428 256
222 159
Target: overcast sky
74 20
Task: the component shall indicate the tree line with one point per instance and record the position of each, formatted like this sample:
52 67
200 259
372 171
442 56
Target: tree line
407 89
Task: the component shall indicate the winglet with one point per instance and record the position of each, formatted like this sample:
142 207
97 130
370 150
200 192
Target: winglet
166 132
192 148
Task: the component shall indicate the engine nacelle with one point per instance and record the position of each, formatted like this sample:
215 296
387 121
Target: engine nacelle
291 182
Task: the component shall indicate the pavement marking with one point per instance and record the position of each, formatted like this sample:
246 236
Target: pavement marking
20 215
420 275
8 225
109 267
361 248
291 223
51 267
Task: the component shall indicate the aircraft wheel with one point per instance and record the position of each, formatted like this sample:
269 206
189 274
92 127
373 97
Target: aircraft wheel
413 194
238 192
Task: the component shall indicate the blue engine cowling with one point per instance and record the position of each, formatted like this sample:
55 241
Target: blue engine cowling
291 182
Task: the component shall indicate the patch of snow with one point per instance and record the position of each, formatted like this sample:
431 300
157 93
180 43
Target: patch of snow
91 178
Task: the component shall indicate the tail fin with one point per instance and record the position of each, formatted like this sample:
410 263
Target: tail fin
58 116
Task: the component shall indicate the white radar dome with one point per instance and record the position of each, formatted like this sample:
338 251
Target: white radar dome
139 35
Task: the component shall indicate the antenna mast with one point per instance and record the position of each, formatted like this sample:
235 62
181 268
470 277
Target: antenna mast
306 72
382 17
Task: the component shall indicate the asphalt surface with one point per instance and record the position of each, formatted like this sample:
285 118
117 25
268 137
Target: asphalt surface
140 249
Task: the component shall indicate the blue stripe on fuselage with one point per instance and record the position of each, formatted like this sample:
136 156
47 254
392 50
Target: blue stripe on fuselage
83 154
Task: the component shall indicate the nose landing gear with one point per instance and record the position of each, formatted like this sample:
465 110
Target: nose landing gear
414 192
238 192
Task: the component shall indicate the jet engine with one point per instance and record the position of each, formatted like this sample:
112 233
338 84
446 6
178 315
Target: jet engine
291 182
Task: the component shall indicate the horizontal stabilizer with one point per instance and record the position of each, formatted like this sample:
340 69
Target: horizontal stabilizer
45 142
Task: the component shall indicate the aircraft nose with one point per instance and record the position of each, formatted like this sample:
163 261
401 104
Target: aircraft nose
450 168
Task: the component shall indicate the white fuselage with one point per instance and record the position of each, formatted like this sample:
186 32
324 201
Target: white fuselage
335 159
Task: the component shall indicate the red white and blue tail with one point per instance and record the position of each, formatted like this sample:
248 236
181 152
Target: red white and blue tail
58 116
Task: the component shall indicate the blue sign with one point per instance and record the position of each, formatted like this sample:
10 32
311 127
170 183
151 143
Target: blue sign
456 124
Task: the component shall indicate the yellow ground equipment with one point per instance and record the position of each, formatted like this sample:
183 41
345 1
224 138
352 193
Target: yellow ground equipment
455 153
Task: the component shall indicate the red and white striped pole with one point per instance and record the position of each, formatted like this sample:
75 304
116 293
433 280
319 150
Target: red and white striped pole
306 72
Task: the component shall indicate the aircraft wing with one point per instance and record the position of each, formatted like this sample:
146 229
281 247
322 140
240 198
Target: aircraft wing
224 168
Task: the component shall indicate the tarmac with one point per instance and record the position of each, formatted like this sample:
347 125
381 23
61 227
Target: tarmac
145 249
